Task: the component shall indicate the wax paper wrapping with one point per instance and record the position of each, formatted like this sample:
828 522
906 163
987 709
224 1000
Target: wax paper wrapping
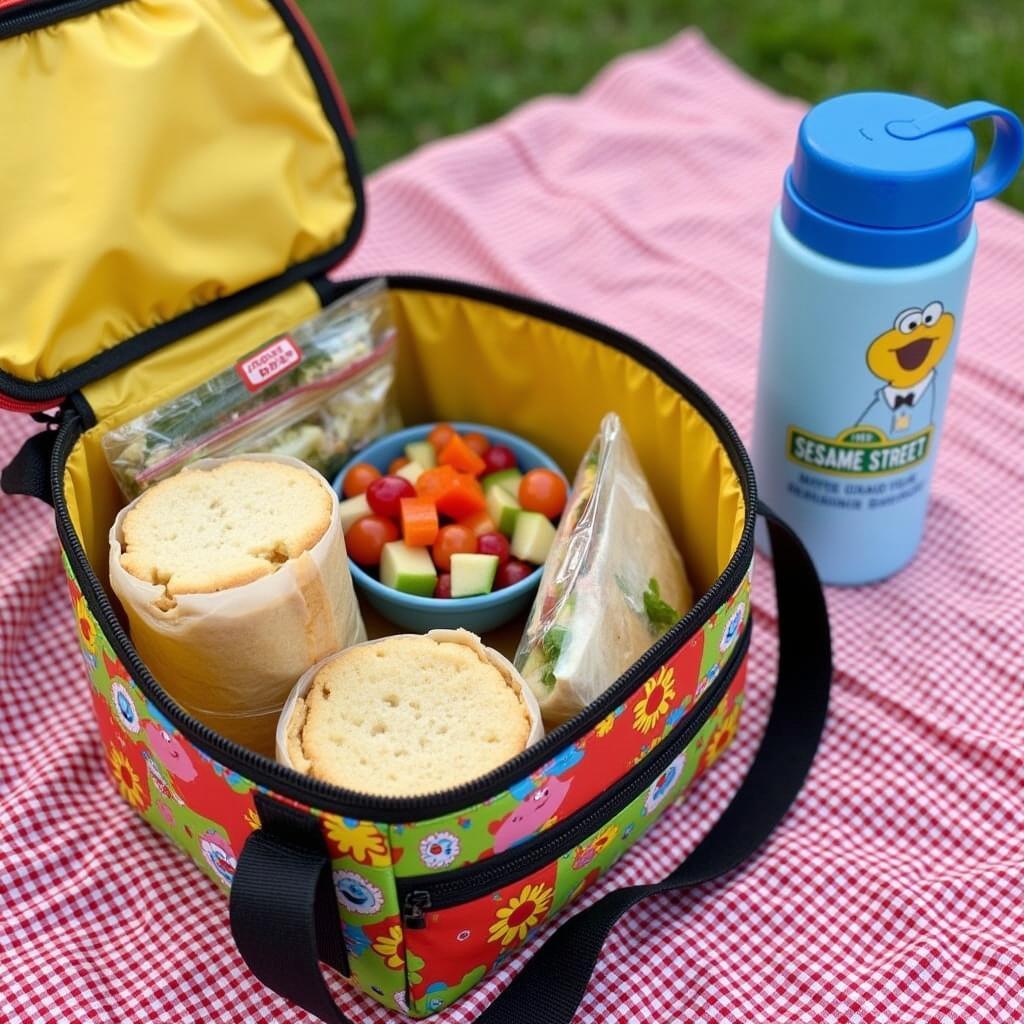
230 658
464 636
613 582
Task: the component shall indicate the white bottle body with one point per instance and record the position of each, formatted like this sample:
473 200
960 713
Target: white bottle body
851 397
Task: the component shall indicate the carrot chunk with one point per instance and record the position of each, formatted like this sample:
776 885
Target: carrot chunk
464 498
458 454
419 522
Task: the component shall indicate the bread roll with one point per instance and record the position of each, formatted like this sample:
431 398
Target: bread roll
235 580
407 715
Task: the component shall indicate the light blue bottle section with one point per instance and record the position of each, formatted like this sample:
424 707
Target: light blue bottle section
859 506
870 259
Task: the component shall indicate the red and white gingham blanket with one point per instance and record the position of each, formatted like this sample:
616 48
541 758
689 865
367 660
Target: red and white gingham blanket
894 892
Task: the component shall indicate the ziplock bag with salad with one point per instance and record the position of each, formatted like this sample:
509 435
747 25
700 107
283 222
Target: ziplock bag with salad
317 393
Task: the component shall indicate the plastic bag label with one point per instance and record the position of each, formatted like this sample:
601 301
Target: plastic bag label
269 363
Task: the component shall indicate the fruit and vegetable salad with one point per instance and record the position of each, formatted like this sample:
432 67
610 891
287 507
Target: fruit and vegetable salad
455 516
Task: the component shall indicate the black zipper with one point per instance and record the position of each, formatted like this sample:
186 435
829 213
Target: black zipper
334 799
313 270
423 893
35 14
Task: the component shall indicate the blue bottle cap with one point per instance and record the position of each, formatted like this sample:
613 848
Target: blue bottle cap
884 179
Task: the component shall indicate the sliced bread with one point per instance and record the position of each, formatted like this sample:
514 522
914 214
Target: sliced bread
206 530
409 715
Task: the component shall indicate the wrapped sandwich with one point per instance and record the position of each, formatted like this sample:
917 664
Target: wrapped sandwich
235 580
613 583
407 715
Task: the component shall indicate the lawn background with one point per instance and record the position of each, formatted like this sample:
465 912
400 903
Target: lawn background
416 70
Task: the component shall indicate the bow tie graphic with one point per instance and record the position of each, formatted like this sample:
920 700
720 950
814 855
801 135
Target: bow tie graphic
904 400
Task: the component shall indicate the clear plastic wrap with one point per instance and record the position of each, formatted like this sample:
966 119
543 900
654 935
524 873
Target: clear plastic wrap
613 582
230 658
317 393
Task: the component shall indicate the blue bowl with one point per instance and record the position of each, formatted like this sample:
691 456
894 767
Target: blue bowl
478 614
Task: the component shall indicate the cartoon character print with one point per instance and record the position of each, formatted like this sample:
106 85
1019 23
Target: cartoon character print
202 791
536 811
124 707
357 894
664 783
905 357
439 849
218 855
160 784
733 628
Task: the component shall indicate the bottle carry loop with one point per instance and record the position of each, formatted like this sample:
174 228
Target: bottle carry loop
1007 141
283 908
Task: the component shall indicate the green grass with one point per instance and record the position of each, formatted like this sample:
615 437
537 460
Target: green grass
416 70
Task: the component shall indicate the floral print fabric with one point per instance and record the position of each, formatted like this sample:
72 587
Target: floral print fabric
208 811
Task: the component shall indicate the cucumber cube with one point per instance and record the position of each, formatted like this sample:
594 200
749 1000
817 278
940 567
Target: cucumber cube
503 509
473 574
507 478
411 471
352 510
410 570
532 537
422 453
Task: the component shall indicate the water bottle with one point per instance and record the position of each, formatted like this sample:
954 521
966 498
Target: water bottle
871 252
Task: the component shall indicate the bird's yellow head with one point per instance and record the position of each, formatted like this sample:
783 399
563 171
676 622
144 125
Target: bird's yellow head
915 345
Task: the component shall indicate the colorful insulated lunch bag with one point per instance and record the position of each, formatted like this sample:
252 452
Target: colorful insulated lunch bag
183 183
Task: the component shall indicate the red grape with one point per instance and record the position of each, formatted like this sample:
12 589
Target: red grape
493 544
511 572
498 457
385 495
443 587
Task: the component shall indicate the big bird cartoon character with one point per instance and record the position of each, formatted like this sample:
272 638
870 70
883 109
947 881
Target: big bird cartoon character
905 357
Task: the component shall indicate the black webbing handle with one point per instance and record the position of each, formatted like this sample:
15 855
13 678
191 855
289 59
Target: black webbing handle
276 893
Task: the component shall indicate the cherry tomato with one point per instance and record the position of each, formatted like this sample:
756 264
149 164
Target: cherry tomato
397 464
443 587
441 435
358 478
367 536
477 442
543 491
385 495
452 540
493 544
498 457
511 572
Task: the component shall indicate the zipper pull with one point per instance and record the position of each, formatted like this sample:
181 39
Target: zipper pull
415 904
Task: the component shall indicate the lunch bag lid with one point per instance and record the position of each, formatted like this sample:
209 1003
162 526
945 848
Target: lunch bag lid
166 166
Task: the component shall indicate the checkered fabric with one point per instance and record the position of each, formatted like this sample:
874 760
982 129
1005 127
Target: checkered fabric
893 891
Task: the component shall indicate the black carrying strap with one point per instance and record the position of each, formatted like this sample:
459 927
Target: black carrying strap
281 908
284 912
29 471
